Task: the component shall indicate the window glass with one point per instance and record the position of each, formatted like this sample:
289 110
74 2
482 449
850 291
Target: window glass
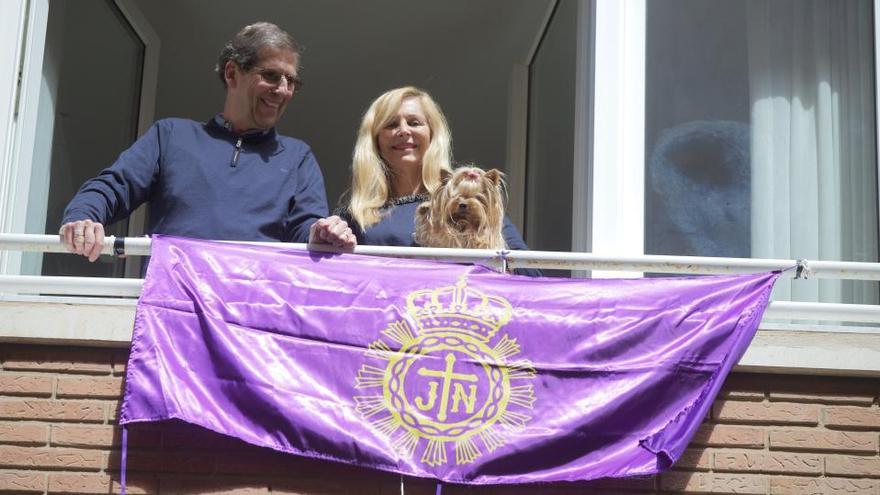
551 135
760 135
92 67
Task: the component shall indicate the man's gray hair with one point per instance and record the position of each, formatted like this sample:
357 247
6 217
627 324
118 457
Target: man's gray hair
244 48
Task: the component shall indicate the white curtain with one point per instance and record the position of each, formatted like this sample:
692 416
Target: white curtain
814 169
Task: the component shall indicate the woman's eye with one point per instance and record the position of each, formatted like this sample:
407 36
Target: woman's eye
415 123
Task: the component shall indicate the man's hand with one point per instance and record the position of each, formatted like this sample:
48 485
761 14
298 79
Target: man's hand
332 230
83 237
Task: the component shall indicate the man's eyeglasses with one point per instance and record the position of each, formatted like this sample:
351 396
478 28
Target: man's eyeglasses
274 78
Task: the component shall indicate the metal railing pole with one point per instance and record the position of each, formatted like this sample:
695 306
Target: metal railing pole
140 246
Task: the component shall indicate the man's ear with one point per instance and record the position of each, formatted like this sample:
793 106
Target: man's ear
230 74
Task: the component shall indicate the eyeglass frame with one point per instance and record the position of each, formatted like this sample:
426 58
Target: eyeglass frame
293 82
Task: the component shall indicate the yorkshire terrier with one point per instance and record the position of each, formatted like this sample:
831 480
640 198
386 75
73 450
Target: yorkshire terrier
466 211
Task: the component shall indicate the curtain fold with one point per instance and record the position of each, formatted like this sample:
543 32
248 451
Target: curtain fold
814 171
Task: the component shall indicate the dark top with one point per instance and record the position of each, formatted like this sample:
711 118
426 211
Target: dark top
398 224
203 180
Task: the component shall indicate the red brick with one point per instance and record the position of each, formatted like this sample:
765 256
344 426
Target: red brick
326 480
97 387
714 483
28 385
865 399
60 359
22 482
695 460
715 435
813 389
213 485
120 361
264 462
140 435
39 457
608 485
23 433
385 486
58 410
852 417
816 440
83 435
113 412
164 462
853 466
190 437
747 395
774 462
98 436
789 485
766 412
99 484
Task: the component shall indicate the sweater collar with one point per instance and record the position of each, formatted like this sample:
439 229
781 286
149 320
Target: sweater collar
252 135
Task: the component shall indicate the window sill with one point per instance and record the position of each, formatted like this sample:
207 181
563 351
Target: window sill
777 348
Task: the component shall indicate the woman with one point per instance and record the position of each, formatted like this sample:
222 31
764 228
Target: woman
402 145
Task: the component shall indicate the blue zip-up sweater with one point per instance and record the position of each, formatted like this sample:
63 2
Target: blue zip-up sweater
203 180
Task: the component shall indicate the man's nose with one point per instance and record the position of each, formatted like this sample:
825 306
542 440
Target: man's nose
283 86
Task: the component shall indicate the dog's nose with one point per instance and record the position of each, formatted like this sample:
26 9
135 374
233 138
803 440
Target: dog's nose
462 206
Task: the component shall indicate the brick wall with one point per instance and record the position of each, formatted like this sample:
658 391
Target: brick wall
767 434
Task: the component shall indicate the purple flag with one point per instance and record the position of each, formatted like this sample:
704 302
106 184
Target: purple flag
434 369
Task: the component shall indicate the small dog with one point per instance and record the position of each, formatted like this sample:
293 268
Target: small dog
466 211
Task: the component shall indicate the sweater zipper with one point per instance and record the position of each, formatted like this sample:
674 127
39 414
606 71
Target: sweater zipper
236 153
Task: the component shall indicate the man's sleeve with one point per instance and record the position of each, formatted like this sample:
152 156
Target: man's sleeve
121 188
309 202
515 242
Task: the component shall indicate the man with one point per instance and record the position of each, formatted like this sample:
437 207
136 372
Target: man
232 178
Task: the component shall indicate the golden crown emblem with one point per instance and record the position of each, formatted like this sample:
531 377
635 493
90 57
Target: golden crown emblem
465 392
458 308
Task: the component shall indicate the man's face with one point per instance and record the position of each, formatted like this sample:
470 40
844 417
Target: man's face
257 98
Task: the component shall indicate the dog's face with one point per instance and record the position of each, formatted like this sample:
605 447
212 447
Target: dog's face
470 197
466 211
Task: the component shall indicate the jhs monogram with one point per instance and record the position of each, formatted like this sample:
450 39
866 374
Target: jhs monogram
447 381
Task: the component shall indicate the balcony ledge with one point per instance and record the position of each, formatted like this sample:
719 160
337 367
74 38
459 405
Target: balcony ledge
777 348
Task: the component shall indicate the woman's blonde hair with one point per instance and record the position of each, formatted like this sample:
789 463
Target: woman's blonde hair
371 176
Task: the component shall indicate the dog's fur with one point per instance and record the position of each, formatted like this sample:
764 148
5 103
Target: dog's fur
466 211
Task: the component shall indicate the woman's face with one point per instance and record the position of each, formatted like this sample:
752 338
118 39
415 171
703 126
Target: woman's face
405 138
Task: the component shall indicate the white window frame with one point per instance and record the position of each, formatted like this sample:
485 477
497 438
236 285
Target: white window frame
618 196
23 35
618 124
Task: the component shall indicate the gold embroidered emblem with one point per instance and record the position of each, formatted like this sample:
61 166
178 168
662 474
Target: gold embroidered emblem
444 384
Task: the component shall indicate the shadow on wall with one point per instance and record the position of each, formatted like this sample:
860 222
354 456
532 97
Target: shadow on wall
698 191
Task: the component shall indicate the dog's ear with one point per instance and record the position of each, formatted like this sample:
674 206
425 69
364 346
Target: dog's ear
495 176
424 209
444 175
